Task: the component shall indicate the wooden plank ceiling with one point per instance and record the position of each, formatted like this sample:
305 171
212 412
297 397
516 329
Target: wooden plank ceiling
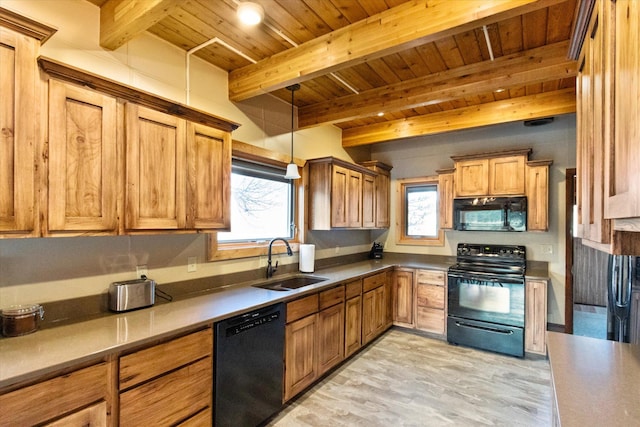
379 69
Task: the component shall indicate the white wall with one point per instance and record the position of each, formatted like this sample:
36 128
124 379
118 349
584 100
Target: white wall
423 156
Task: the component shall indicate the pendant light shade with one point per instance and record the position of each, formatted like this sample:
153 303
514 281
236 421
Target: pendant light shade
292 168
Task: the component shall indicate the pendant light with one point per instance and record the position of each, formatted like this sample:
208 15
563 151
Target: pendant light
292 168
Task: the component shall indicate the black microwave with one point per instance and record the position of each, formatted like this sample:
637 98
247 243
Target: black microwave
490 214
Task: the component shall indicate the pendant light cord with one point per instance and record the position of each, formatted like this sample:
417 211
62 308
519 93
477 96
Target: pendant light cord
292 88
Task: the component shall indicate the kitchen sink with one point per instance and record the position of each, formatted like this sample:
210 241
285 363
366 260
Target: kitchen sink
288 283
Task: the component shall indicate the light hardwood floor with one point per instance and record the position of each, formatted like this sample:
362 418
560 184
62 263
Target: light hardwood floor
405 379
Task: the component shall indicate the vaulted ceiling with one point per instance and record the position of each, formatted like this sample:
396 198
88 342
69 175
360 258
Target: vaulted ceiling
379 69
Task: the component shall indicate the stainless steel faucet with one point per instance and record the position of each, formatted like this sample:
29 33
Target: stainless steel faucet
271 269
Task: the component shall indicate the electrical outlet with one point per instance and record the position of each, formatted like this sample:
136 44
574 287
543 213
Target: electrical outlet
192 264
547 249
141 270
337 250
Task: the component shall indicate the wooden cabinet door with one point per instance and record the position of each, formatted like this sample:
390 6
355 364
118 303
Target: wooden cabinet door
330 337
155 170
535 317
353 325
48 400
623 151
19 125
339 196
354 199
403 297
208 177
472 177
380 311
506 175
158 402
591 114
388 300
538 197
83 160
445 194
368 201
301 361
368 316
383 189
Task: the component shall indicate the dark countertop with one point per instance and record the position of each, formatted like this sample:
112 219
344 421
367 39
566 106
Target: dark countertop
596 382
48 350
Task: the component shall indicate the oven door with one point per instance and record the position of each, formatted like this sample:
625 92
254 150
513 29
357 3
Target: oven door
486 298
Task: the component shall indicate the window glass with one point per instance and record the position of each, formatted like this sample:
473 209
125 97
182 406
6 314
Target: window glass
422 211
419 212
261 203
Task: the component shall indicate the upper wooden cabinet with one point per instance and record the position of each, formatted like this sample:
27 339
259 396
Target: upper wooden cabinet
490 174
82 165
445 197
497 174
19 114
122 161
606 44
382 193
345 195
155 170
178 173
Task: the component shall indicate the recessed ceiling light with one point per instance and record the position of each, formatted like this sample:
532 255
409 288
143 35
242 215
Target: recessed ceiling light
380 114
250 13
500 90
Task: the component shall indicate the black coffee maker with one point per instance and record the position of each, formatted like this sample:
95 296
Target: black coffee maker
376 251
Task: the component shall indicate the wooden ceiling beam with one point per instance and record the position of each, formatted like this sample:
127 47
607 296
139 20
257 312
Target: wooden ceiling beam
402 27
122 20
538 65
524 108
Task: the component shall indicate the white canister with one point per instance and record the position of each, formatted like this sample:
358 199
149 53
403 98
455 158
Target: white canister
307 258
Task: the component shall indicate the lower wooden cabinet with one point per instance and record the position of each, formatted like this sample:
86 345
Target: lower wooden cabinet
150 378
431 294
403 297
301 341
68 399
535 316
353 317
330 337
374 307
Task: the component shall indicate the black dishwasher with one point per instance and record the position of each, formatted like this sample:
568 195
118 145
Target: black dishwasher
249 365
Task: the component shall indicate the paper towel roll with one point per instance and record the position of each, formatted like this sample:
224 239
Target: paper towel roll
307 258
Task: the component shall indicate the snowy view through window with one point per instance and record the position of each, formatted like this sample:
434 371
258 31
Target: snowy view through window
422 211
260 209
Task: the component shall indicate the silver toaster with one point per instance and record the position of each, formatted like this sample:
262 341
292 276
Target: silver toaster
131 294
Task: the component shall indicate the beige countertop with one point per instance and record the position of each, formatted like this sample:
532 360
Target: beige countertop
596 382
28 357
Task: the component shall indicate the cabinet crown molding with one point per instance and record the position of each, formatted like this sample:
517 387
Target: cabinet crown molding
26 26
493 154
80 77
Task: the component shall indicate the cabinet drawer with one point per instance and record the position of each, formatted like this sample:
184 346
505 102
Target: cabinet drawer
431 277
169 398
93 416
201 419
353 289
374 281
41 402
430 296
331 297
154 361
430 320
302 307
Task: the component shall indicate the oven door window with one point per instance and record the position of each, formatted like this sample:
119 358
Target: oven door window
499 301
494 299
